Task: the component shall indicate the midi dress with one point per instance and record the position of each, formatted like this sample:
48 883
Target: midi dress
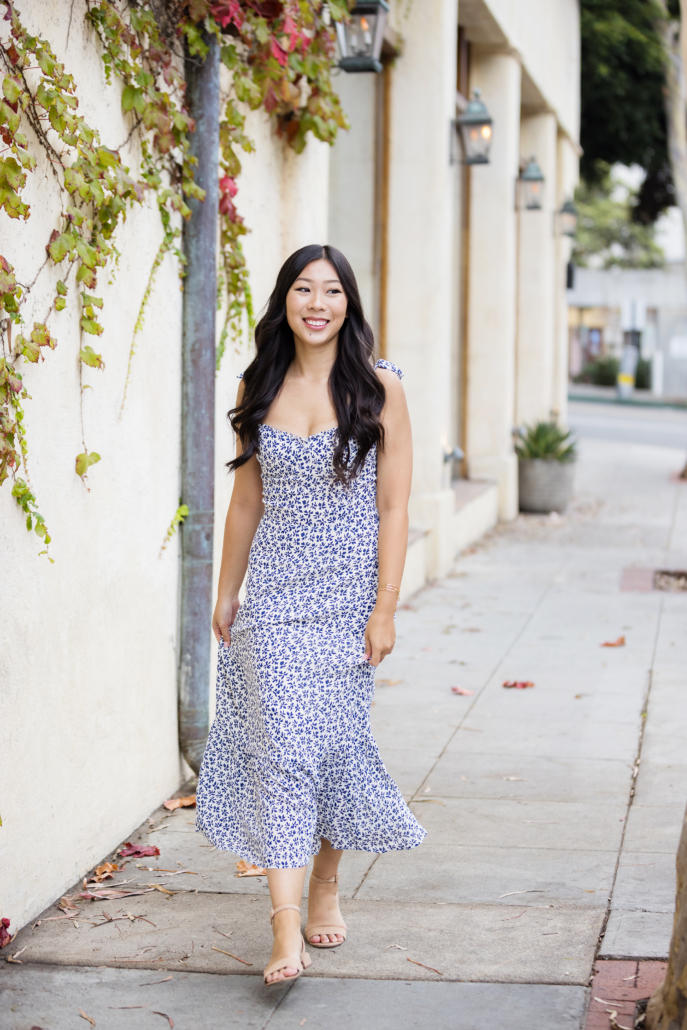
290 757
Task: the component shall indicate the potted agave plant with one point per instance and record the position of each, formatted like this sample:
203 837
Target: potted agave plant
546 466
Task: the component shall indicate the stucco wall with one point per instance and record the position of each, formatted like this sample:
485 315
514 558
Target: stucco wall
88 727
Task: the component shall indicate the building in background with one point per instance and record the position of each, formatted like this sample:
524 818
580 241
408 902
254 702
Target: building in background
465 286
647 307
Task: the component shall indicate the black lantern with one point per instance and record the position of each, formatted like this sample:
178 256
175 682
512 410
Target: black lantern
531 186
475 130
361 38
567 218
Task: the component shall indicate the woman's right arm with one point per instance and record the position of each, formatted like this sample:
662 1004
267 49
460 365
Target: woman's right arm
245 511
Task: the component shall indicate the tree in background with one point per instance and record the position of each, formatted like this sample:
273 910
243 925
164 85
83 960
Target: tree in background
607 235
622 83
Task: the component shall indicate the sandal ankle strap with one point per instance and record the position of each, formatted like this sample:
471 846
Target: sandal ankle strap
318 879
282 908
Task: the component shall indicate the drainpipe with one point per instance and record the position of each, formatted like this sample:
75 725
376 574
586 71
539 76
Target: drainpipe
198 409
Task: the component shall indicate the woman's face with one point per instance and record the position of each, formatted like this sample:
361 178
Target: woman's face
316 304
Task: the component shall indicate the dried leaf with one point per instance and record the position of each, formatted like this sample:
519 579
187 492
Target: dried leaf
395 946
153 982
164 1015
138 850
174 803
250 870
5 936
232 956
424 966
84 1015
104 872
511 893
463 691
620 642
518 684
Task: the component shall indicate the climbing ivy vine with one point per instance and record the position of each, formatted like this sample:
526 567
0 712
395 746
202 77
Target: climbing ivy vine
278 55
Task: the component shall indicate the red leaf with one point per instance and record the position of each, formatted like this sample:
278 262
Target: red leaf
620 642
5 936
227 207
228 185
277 52
518 684
138 850
462 690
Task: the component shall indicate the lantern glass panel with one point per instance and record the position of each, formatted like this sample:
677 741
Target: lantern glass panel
568 219
361 38
532 194
477 142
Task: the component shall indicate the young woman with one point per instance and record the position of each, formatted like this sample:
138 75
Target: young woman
318 517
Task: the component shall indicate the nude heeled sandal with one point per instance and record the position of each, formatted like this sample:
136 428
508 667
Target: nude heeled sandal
320 929
300 962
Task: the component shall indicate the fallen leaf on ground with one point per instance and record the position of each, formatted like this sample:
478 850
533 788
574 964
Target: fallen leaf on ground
110 893
462 690
508 918
532 891
395 946
250 870
424 966
84 1015
159 887
153 982
104 872
518 684
174 803
620 642
232 956
67 905
164 1015
138 850
387 683
15 957
303 1022
615 1025
221 932
5 936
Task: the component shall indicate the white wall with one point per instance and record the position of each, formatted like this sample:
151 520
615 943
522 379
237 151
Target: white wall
88 703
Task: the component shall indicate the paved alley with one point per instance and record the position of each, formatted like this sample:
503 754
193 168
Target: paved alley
553 812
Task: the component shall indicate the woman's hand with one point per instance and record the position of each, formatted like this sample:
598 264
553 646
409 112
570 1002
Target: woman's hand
223 619
380 636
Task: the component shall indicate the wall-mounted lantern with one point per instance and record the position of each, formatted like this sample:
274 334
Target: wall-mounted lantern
567 218
361 38
475 130
531 184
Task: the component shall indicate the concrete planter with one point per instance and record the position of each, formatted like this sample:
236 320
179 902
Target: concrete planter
545 484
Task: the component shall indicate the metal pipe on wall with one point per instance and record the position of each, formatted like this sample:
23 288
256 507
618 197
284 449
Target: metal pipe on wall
198 408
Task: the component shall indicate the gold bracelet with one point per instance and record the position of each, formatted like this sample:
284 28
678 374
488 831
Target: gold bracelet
390 587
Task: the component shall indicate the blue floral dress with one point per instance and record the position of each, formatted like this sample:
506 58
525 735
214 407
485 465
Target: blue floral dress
290 757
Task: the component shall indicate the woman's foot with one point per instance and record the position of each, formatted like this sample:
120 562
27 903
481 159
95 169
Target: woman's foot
288 942
326 928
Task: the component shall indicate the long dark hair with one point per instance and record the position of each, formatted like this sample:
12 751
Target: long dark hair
356 392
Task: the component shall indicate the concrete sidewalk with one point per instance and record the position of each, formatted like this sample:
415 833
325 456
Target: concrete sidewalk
536 846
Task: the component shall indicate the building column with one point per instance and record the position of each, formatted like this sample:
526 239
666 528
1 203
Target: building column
422 273
492 283
536 322
568 173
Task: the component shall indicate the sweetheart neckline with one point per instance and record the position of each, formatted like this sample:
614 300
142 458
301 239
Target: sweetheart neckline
297 436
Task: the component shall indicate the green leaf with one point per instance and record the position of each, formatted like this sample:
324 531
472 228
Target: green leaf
89 325
87 299
86 276
87 253
61 288
60 303
41 336
84 462
29 349
12 89
61 246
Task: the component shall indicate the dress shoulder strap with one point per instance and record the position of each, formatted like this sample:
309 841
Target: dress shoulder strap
383 363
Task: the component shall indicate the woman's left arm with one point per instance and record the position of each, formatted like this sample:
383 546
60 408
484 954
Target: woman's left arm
394 474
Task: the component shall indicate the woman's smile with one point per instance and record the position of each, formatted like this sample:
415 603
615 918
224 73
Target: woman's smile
316 323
